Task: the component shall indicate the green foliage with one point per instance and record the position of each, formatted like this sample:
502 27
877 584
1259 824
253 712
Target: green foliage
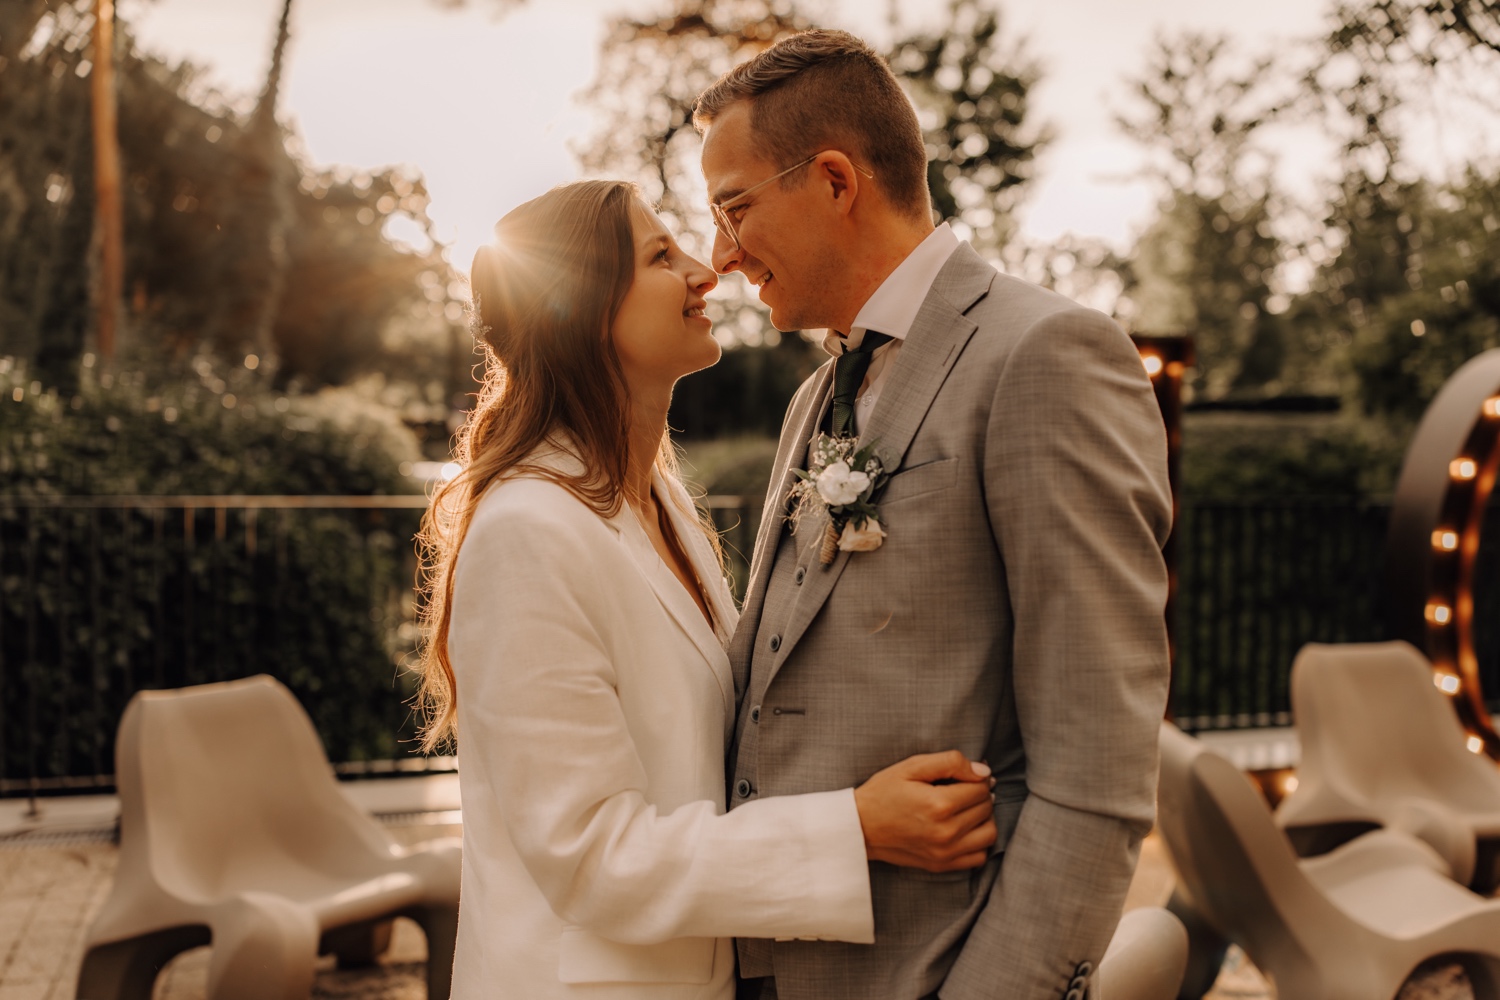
747 392
730 466
202 177
101 602
971 91
1233 456
1207 265
1418 283
224 432
1197 110
1379 62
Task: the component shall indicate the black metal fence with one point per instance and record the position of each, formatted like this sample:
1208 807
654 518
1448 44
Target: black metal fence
1259 579
101 597
1256 581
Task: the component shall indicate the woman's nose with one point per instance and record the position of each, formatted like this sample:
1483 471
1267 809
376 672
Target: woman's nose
702 277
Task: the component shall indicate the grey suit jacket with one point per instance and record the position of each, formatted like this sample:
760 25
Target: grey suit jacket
1015 612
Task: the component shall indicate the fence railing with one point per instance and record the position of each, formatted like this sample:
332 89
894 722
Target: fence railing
103 596
1259 579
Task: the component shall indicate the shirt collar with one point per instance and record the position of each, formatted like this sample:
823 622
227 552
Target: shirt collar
893 307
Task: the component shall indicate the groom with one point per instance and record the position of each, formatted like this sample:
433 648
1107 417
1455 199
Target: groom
1015 608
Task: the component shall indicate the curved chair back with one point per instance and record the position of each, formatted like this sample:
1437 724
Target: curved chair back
227 785
1236 867
1373 730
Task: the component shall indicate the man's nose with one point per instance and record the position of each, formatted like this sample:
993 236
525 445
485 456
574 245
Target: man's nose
726 256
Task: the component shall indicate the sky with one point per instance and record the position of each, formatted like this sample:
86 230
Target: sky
486 105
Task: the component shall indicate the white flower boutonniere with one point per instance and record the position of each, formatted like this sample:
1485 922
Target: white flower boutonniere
840 480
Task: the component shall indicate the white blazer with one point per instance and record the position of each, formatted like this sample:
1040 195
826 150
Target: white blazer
594 707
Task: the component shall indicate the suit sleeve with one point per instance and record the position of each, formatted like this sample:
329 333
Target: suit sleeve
1076 484
530 639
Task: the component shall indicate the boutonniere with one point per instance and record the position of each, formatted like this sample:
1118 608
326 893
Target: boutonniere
841 480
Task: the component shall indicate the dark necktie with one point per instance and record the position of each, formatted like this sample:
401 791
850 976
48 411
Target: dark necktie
848 375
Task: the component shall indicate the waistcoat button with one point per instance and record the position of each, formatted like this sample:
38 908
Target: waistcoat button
775 643
799 575
742 788
755 714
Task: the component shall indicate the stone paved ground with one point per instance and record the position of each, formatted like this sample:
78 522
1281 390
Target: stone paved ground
49 894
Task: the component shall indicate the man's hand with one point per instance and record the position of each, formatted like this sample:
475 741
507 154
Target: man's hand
933 811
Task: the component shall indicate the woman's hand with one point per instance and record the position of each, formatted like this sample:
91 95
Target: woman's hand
933 811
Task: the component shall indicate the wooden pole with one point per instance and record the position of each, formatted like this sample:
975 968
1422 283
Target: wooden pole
108 219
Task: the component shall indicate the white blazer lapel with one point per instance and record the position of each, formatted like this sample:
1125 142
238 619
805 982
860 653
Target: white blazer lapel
670 591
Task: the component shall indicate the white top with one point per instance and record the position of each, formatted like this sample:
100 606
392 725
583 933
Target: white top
892 309
594 706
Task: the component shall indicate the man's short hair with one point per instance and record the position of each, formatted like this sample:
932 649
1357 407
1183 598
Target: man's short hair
821 90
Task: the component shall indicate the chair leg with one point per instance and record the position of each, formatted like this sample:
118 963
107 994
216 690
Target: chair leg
1484 975
440 925
1206 949
358 945
127 970
265 948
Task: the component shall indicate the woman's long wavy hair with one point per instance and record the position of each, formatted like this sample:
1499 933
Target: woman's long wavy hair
546 294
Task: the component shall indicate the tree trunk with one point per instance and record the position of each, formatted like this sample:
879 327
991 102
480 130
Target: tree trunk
108 218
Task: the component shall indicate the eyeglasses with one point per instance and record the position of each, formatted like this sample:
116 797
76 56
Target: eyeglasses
720 212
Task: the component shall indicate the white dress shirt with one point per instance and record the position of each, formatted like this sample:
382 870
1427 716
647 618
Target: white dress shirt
891 310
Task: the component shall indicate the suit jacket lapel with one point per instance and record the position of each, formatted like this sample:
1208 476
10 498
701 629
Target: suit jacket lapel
936 340
669 590
791 454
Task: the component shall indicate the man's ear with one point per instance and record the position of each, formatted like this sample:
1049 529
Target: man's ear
836 172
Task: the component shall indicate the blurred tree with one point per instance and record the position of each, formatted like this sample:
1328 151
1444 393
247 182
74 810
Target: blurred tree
1416 287
1380 59
1406 273
233 244
46 189
258 219
651 72
970 91
109 238
970 88
1207 264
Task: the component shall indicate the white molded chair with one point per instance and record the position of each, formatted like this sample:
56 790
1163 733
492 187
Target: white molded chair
233 832
1146 957
1351 925
1382 746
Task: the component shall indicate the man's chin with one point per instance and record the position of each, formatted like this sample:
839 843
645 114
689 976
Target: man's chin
786 321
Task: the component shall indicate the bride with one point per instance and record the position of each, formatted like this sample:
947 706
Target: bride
578 617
